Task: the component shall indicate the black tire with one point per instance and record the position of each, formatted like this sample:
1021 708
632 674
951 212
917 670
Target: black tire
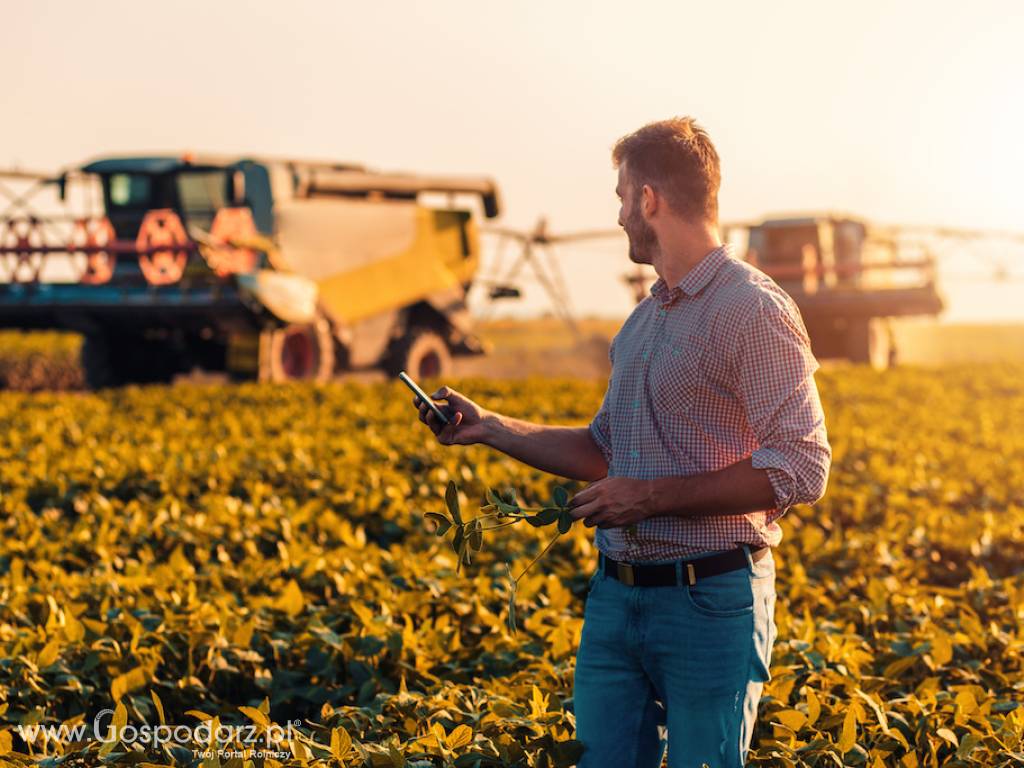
96 363
423 353
113 361
869 341
297 352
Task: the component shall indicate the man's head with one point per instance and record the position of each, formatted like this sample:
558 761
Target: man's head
668 176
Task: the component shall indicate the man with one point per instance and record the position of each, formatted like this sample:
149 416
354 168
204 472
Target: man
710 429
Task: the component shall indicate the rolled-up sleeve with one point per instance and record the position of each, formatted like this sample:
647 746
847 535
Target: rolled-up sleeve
774 370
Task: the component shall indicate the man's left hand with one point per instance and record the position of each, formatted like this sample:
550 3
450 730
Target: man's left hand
612 502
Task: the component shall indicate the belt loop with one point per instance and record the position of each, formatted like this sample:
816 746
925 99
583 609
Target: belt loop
679 572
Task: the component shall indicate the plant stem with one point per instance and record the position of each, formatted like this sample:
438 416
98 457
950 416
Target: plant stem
500 525
538 557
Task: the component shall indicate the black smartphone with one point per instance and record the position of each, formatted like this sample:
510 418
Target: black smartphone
423 396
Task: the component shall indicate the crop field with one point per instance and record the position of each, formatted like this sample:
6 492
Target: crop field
250 564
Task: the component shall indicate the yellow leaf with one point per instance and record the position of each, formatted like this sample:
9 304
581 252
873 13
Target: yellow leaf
159 707
538 703
299 750
49 654
438 730
948 735
74 630
942 649
291 600
791 718
5 742
813 707
341 743
255 715
127 682
120 719
198 715
849 735
966 703
243 634
460 737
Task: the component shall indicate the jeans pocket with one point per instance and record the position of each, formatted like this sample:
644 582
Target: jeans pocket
765 567
723 596
765 632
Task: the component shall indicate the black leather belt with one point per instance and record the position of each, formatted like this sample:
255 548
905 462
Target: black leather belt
664 575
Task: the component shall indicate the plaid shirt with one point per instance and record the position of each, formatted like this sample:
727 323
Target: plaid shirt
705 374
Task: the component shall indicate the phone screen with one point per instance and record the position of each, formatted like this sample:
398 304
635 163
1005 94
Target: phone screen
423 396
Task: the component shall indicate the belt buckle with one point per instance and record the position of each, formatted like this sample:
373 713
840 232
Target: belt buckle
626 574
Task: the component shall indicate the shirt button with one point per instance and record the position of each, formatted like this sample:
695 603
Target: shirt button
646 354
636 403
634 454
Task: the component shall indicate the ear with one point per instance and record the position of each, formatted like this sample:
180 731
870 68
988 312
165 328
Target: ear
649 201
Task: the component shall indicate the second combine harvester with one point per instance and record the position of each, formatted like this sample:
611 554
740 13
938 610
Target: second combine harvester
273 269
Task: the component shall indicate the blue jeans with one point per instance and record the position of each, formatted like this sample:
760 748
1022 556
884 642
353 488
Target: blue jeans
690 658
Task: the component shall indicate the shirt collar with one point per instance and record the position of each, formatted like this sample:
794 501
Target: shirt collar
694 280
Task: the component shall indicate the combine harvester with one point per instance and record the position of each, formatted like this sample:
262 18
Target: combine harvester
270 269
848 277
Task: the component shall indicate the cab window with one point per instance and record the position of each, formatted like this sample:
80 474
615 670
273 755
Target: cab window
131 190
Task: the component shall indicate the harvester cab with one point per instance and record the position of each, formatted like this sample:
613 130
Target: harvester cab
848 279
273 269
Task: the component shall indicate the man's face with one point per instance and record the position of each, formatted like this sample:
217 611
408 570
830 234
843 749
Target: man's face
642 239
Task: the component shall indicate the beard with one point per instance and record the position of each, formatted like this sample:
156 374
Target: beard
643 242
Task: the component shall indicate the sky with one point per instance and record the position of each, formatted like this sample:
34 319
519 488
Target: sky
898 112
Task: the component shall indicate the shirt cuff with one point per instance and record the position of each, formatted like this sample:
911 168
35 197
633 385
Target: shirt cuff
602 442
780 474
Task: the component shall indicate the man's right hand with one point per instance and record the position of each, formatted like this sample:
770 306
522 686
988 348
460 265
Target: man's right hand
467 418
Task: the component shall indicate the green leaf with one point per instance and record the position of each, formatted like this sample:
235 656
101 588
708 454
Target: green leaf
565 521
460 534
510 496
548 515
476 536
512 612
534 520
441 523
561 496
451 498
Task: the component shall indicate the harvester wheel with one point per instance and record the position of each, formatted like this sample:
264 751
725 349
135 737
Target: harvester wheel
96 363
869 340
297 352
422 353
112 361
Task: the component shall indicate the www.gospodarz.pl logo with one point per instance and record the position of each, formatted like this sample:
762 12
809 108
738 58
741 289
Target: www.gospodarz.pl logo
252 740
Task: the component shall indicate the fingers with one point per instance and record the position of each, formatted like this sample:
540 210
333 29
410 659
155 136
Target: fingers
445 433
587 495
448 434
583 510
